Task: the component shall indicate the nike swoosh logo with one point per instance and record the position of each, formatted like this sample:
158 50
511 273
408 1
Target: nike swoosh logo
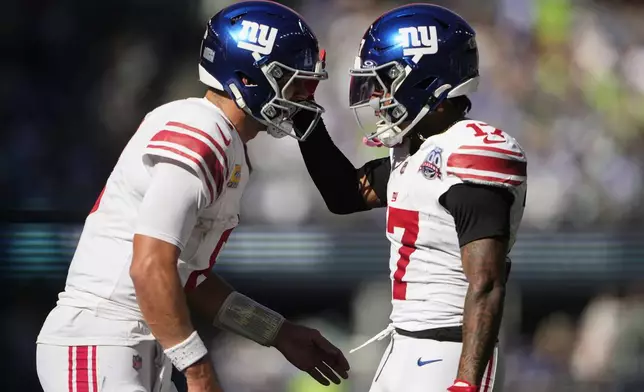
423 363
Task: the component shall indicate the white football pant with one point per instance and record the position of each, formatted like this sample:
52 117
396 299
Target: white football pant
140 368
425 365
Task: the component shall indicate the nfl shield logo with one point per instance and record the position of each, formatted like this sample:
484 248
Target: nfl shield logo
137 362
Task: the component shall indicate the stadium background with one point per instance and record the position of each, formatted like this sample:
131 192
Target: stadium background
566 77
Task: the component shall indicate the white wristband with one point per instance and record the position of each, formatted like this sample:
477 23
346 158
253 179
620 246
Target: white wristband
245 317
187 352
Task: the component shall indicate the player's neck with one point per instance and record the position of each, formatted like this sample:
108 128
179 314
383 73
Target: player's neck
438 123
433 124
245 125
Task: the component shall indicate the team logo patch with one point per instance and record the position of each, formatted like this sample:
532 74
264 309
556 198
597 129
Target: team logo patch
137 362
235 177
431 167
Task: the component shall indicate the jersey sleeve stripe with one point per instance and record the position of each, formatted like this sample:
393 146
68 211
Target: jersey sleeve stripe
496 165
188 157
494 149
460 172
180 141
488 179
195 145
204 135
223 137
181 156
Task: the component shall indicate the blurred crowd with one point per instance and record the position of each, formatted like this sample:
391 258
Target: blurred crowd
563 76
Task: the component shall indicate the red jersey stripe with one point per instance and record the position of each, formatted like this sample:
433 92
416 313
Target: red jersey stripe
82 377
200 148
218 177
196 145
94 370
493 149
223 137
191 283
489 375
70 367
490 164
500 181
206 135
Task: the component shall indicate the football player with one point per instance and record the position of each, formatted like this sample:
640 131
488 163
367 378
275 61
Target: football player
147 248
454 189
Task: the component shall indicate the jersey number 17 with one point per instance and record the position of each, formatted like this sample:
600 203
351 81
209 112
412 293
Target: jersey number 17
408 221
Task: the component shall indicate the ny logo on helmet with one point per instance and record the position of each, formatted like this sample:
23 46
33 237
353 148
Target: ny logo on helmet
256 37
418 41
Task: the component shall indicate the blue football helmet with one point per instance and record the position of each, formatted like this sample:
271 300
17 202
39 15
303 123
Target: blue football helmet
255 51
410 60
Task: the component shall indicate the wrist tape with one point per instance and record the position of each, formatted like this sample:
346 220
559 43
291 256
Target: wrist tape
187 352
245 317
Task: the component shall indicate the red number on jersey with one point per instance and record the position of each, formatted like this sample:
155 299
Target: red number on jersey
191 283
408 221
497 134
97 203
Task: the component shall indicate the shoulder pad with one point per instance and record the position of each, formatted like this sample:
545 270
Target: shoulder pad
488 156
201 144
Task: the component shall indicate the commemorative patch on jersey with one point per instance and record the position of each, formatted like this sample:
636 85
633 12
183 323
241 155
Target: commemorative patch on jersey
235 177
431 166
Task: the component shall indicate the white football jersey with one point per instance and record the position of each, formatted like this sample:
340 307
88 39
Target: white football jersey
191 133
428 282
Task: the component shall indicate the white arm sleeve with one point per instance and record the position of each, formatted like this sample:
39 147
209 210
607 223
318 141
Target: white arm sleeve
171 205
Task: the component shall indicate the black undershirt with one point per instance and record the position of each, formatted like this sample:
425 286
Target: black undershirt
479 211
334 175
377 173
